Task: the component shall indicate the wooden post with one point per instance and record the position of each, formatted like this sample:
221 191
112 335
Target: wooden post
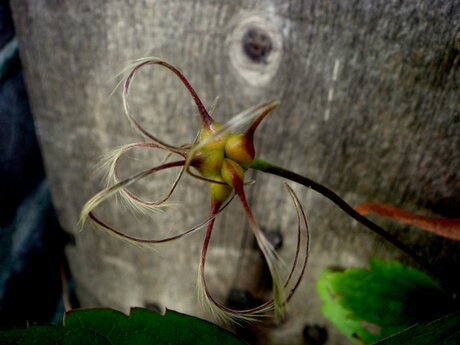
369 106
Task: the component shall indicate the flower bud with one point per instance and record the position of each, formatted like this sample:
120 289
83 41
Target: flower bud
216 143
210 163
240 149
219 192
229 169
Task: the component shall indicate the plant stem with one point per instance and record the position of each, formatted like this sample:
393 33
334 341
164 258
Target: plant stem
445 227
270 168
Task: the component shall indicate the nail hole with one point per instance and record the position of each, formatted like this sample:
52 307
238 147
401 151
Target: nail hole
257 45
275 237
315 335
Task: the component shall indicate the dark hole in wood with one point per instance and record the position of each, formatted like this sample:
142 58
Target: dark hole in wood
275 237
314 335
257 45
241 299
153 306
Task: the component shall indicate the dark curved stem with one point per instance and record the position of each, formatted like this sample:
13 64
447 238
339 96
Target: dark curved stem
267 167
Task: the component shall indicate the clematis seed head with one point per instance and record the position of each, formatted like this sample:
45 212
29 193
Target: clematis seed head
220 155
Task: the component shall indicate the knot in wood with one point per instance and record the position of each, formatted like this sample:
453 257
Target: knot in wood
257 44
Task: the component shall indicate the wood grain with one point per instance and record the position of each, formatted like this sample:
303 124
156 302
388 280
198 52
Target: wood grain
369 106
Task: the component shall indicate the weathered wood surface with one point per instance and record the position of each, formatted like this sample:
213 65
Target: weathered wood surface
370 107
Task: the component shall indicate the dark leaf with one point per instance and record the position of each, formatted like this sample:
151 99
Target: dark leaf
110 327
444 331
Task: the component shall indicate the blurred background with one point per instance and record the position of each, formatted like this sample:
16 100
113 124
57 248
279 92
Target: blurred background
31 240
369 107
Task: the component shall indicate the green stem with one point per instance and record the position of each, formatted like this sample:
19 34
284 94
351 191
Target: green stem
267 167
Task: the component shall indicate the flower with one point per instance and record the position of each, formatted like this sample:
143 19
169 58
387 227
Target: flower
220 155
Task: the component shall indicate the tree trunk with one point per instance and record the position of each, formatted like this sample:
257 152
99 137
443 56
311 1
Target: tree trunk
369 106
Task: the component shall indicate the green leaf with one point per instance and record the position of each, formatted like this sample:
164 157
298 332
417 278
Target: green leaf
444 331
110 327
372 304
